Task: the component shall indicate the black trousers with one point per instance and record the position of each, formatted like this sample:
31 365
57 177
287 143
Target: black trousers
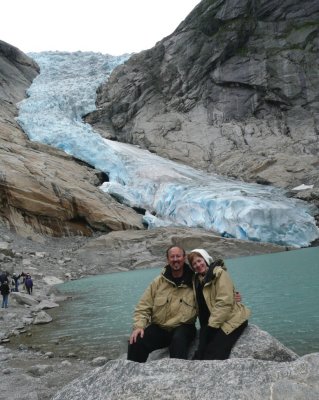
214 344
177 340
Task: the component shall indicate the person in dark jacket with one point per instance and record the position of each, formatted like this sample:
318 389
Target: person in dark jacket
222 318
5 290
3 277
28 283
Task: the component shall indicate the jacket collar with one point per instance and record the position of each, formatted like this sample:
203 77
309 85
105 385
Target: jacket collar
210 276
186 279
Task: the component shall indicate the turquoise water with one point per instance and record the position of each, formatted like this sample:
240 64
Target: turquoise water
281 289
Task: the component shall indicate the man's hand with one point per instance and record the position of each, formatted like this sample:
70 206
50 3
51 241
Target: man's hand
135 334
237 297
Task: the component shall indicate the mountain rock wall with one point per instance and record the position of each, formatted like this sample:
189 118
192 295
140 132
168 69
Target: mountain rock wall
126 250
43 190
233 90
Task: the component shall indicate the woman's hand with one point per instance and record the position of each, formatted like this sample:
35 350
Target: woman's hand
237 297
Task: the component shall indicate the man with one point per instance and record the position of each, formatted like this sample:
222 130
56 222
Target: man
166 313
28 283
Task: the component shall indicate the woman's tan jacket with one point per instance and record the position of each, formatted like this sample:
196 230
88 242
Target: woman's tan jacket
219 294
166 304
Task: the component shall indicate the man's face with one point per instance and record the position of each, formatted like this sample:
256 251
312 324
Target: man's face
176 259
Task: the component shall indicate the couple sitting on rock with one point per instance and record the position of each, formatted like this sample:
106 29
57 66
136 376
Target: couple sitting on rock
166 313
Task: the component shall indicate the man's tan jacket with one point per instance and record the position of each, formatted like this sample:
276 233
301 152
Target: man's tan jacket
166 304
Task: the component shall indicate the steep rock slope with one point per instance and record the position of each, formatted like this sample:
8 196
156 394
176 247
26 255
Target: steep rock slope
233 90
43 190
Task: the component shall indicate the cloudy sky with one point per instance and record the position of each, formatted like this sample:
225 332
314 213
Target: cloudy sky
107 26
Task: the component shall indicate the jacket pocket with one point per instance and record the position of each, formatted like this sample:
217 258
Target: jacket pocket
160 309
188 309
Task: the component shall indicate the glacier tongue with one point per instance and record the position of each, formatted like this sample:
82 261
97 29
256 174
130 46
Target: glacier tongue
172 194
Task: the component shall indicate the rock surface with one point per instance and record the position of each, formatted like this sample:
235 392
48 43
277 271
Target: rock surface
234 90
30 375
43 190
253 343
126 250
177 379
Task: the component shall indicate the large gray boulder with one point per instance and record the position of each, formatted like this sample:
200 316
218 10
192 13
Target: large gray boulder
42 318
253 343
258 366
24 299
259 344
174 379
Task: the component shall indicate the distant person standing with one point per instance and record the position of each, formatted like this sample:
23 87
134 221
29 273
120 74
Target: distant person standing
3 277
15 281
28 283
5 290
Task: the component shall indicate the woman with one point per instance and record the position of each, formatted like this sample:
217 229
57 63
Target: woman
222 319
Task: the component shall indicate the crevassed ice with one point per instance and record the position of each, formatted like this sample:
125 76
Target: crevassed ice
171 194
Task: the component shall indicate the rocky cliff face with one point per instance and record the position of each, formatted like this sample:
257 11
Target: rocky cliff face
233 90
45 192
42 190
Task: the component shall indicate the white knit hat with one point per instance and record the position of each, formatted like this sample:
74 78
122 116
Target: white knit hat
204 254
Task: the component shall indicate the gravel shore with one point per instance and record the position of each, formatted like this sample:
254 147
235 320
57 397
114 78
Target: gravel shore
27 373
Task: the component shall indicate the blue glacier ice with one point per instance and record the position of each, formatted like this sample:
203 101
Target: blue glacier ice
171 193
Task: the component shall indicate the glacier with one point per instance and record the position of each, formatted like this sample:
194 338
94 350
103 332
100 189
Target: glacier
170 193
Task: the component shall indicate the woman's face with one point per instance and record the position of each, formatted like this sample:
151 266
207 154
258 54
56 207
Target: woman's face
199 265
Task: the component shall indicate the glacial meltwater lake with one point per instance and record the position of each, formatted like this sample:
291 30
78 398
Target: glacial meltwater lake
281 289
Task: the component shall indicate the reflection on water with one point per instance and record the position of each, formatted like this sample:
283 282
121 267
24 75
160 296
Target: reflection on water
281 289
